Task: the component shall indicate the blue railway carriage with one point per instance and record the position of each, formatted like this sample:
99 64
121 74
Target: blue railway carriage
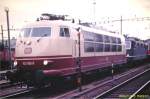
148 50
136 49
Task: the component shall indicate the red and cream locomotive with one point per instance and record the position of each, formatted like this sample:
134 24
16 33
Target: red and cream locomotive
48 49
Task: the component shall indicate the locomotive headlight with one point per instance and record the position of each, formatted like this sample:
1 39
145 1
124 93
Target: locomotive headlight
28 42
15 63
45 62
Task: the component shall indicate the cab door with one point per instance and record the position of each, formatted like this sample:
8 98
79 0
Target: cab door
65 41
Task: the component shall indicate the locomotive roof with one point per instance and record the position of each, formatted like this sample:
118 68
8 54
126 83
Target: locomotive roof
135 40
47 23
44 23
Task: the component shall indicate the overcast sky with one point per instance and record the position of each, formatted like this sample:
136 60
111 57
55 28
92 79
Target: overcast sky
23 11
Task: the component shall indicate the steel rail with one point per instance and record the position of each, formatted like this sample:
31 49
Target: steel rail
97 85
17 93
121 84
134 94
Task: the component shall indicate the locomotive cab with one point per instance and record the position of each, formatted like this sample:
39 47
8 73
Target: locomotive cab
136 49
42 42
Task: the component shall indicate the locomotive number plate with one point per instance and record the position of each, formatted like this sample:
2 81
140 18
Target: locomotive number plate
28 50
28 63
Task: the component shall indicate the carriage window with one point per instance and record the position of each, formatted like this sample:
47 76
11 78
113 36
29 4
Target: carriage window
88 47
119 48
64 32
106 38
119 40
88 36
113 39
98 38
114 48
1 47
99 47
107 47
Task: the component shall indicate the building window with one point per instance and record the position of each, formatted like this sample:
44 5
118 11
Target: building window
88 47
64 32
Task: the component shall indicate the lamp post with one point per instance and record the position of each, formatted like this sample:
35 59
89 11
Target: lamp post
2 35
8 30
79 74
121 25
94 12
2 46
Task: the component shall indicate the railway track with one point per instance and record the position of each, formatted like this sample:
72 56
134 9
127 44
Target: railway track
88 91
97 88
6 85
138 93
126 88
13 90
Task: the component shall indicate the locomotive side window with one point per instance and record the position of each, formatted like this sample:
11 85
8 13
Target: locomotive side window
64 32
88 47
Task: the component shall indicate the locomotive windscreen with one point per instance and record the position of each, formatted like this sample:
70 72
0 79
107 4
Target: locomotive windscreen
128 45
36 32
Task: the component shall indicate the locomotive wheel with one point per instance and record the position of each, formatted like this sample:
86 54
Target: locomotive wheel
10 76
39 79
